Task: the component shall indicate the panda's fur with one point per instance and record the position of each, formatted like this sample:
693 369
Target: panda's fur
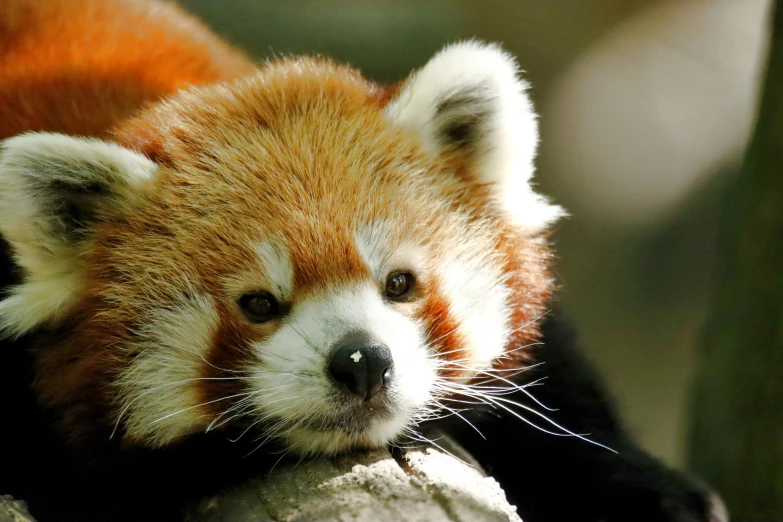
153 182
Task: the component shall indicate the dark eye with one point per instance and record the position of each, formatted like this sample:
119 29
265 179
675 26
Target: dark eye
259 307
399 286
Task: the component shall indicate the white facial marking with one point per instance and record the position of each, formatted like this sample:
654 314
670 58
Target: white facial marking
276 263
473 282
374 243
157 400
357 356
297 389
273 272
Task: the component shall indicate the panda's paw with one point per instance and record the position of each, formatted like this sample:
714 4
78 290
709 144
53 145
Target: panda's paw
666 503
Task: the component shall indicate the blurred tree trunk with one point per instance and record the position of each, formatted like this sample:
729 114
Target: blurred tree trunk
736 440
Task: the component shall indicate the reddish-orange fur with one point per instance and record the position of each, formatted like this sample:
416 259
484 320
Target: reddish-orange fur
81 66
319 124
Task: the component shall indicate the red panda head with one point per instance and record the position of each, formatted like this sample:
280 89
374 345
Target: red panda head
299 252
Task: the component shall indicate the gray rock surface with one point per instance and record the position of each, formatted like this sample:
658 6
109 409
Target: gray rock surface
417 485
13 510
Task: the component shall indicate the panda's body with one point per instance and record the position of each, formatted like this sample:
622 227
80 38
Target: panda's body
290 254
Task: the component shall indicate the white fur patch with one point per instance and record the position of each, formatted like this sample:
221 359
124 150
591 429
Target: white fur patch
273 272
474 285
35 171
510 137
277 265
294 385
374 244
157 400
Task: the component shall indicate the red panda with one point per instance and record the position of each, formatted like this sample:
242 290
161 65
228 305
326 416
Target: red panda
288 249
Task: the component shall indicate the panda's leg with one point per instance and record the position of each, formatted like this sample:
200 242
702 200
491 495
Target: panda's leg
559 477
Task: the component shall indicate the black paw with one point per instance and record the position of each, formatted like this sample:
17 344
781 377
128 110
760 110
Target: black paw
667 498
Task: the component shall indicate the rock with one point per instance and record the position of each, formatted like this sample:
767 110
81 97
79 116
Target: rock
418 485
13 510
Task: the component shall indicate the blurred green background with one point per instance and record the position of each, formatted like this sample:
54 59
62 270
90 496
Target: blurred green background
645 108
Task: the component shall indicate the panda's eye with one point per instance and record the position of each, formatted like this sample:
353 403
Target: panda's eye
399 286
259 307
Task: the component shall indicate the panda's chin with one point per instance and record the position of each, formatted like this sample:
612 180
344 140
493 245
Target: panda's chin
314 440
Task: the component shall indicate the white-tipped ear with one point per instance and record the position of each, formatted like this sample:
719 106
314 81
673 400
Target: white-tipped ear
53 189
469 98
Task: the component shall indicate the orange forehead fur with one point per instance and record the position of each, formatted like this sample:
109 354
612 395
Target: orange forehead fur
300 153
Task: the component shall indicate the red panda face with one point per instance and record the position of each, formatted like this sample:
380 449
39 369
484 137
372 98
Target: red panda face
298 254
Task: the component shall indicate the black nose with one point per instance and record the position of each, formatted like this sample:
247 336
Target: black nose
362 365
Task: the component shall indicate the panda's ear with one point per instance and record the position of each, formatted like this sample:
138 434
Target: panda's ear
469 100
53 190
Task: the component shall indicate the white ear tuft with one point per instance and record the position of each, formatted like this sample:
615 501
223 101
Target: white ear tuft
469 98
53 189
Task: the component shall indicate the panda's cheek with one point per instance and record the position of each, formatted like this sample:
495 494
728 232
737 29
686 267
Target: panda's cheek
467 315
159 394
